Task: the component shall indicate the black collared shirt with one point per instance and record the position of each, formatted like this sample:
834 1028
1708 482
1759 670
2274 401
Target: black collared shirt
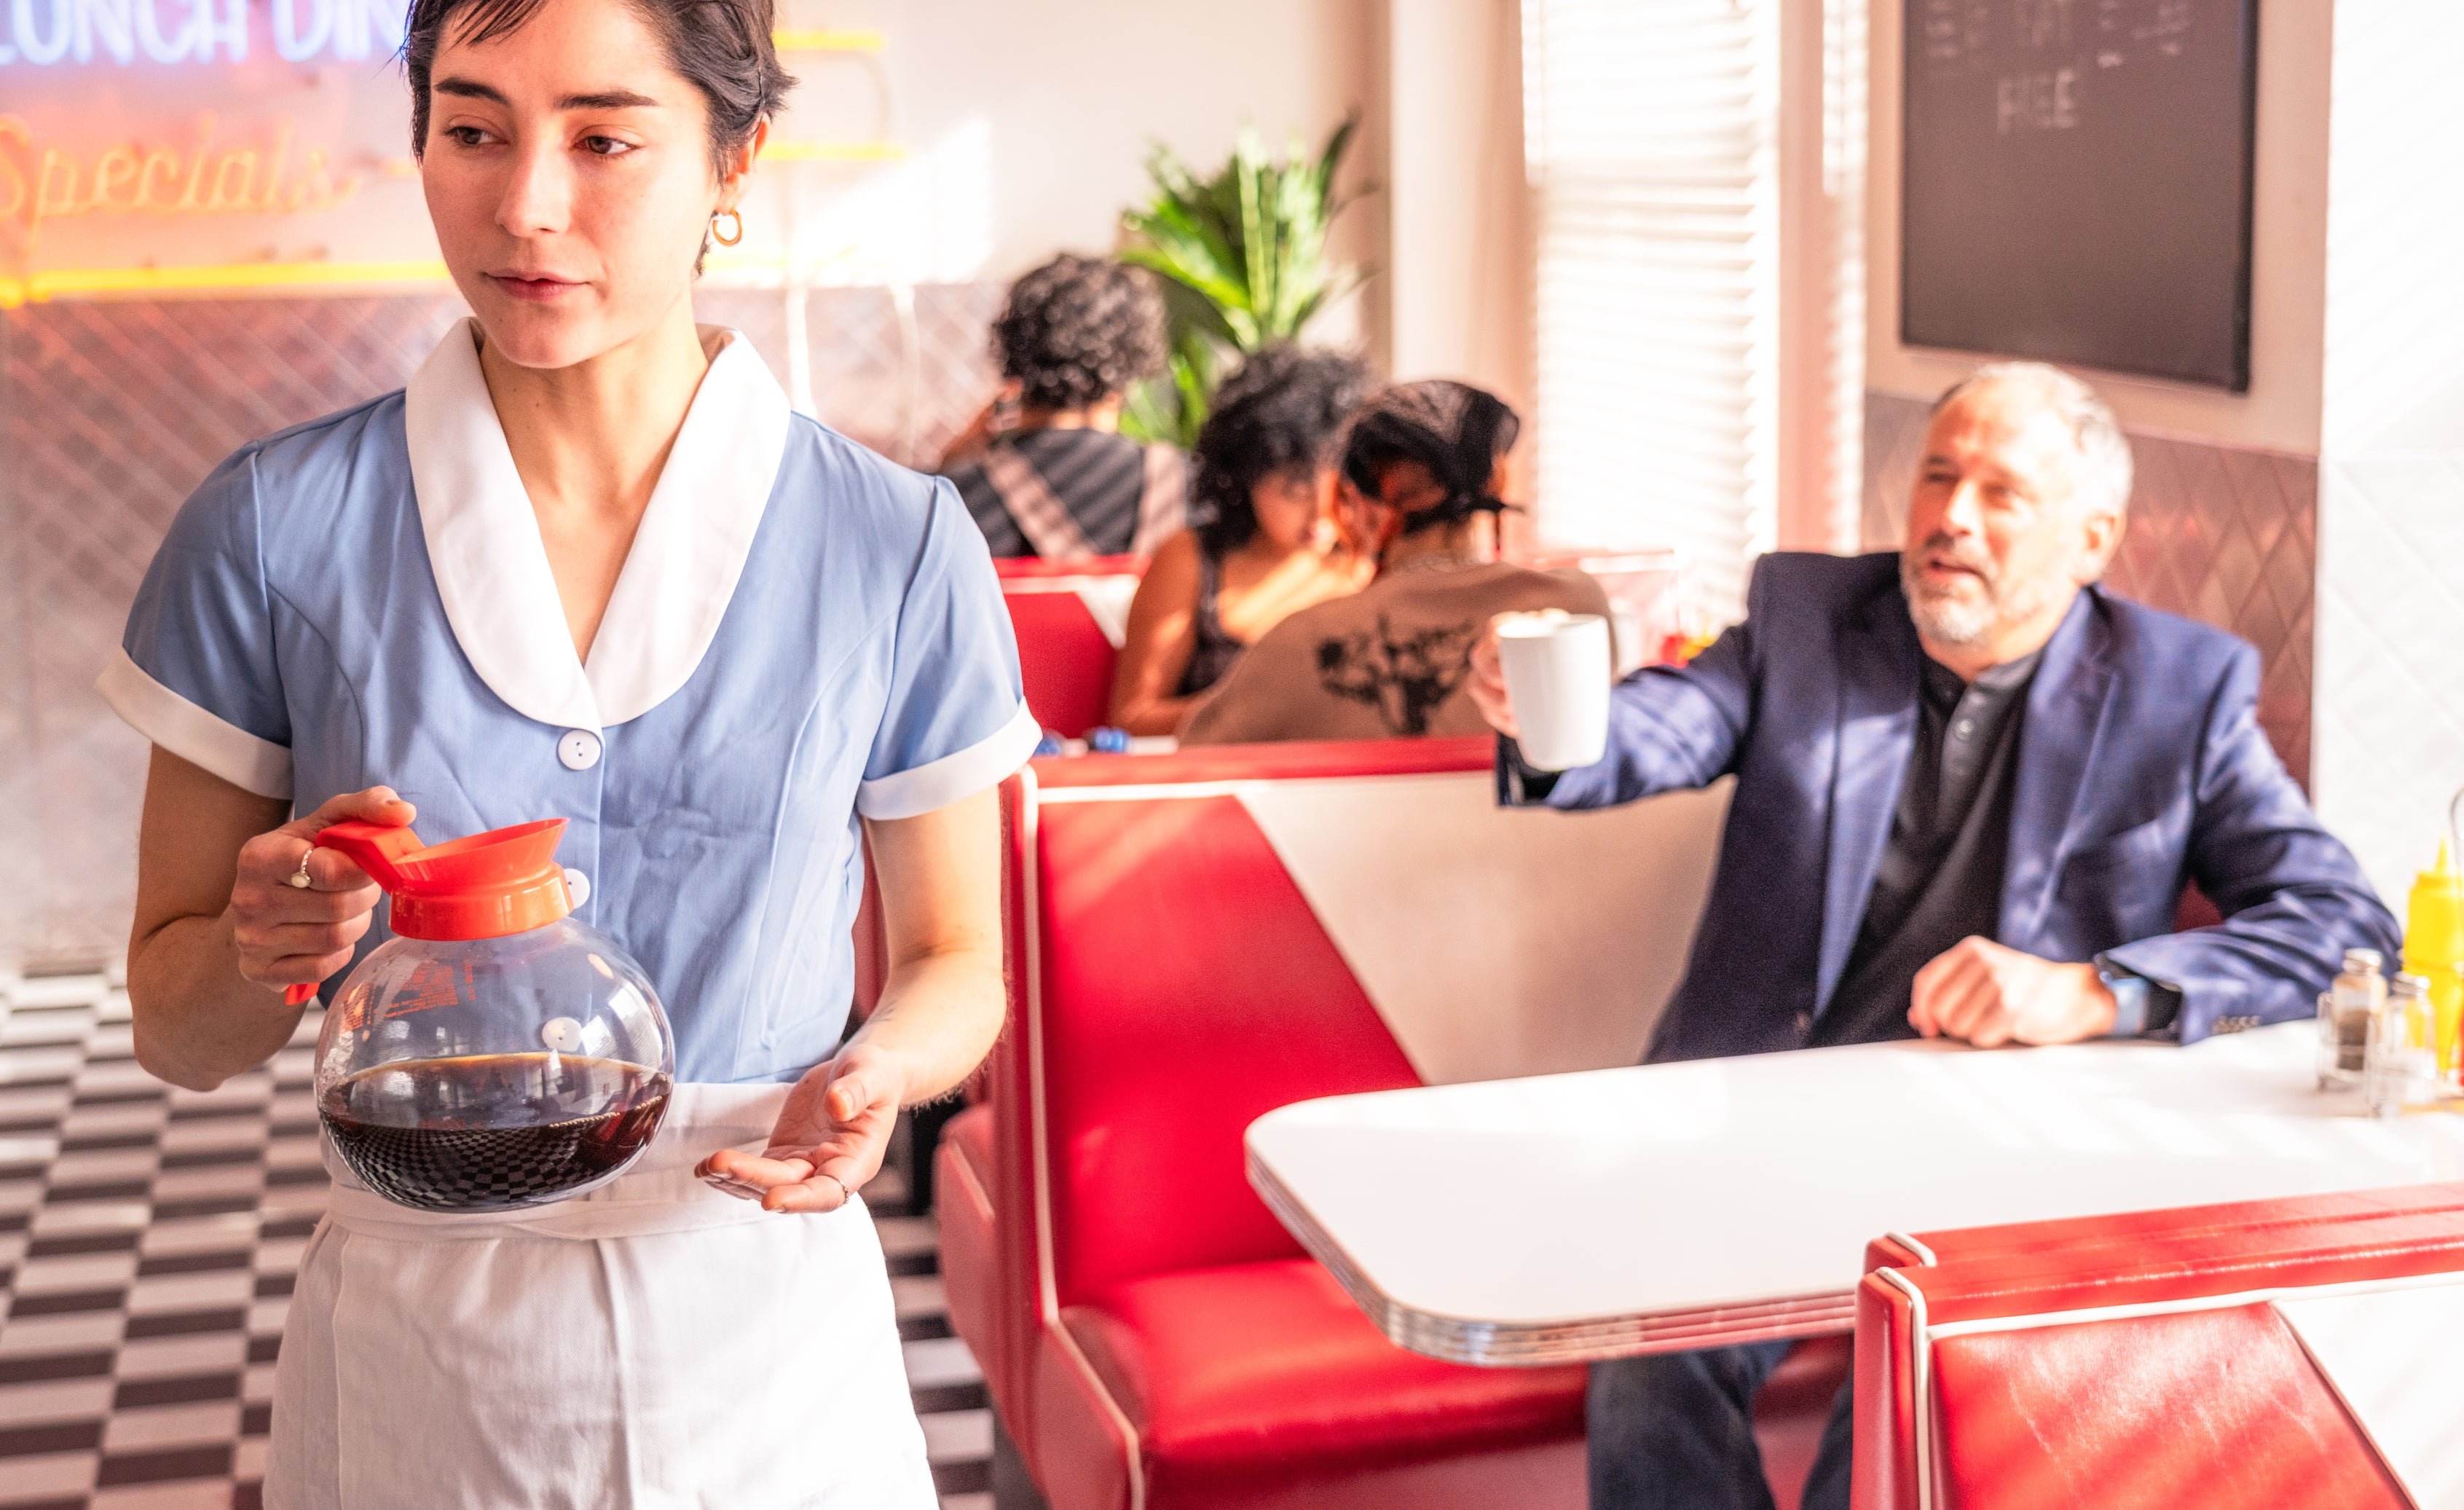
1940 876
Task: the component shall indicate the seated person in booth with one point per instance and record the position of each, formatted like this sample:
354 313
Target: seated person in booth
1263 544
1971 785
1421 464
1045 468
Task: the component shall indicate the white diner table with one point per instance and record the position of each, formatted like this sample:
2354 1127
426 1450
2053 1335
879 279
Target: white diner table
1657 1208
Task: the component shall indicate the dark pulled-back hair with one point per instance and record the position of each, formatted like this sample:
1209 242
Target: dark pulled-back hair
1458 431
722 46
1077 330
1283 412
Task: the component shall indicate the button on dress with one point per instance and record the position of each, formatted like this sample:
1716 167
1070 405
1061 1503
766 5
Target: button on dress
802 635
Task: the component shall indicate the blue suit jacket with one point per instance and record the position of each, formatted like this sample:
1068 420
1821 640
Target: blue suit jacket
2142 768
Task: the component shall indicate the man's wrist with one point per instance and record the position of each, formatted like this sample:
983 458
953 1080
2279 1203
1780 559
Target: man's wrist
1520 784
2141 1006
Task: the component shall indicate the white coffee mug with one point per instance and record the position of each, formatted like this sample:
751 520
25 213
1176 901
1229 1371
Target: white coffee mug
1556 667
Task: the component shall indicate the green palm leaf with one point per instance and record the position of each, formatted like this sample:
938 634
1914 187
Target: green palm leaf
1243 254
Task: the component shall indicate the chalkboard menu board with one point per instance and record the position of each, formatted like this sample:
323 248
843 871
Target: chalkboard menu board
2076 183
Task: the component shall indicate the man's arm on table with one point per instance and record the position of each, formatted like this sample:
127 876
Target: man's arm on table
2293 897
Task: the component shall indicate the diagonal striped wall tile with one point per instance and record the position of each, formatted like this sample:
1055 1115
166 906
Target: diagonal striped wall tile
110 413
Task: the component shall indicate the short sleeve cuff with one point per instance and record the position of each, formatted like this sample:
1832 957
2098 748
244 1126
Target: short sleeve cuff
196 736
937 784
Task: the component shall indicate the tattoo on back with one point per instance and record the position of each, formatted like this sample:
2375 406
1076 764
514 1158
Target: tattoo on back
1403 676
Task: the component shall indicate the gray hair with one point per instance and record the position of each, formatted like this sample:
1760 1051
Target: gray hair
2104 452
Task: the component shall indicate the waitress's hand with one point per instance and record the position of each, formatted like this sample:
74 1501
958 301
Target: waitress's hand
829 1137
289 935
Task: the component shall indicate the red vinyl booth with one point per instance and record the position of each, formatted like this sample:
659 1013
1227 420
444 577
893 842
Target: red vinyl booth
2270 1353
1068 617
1187 952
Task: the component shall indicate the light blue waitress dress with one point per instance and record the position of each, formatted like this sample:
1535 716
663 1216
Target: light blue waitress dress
802 634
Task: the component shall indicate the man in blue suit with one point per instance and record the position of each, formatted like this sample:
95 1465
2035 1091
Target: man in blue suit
1971 786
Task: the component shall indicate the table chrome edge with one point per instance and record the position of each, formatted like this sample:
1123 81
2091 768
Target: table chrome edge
1537 1344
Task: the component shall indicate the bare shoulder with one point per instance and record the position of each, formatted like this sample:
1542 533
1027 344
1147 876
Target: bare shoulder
1175 562
1578 592
1518 588
1170 583
1178 553
1304 627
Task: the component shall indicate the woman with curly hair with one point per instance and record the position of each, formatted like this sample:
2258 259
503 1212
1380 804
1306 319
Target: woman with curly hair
1265 544
1045 468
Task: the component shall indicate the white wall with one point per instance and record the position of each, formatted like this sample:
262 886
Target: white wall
1822 338
1030 123
2390 698
1460 295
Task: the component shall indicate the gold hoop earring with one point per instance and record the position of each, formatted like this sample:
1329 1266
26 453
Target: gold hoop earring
722 238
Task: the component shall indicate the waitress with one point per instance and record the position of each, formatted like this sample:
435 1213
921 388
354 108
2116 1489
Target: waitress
588 565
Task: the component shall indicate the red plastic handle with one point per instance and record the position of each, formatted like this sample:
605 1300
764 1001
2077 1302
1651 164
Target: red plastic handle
373 848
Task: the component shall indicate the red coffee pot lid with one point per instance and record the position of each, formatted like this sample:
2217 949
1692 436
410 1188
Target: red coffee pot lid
503 881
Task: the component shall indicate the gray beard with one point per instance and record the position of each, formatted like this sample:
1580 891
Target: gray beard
1969 621
1951 623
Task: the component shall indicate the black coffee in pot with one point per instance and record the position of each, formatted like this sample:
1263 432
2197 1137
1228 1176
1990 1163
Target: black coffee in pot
493 1131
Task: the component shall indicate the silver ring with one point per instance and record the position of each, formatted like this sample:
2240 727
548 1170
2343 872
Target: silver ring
846 1191
299 877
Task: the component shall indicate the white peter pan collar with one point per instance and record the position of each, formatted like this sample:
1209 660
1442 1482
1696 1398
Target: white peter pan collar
491 571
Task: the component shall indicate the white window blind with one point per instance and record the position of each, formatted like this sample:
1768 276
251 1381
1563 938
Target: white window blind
1651 131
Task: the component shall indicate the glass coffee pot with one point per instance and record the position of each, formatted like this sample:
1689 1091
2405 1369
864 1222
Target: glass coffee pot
495 1053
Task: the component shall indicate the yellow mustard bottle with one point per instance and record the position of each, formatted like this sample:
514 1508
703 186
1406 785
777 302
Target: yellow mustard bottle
2434 947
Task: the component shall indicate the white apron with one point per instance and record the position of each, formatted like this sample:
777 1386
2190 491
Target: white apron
652 1343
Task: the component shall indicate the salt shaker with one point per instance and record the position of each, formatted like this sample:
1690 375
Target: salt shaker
2402 1060
2345 1012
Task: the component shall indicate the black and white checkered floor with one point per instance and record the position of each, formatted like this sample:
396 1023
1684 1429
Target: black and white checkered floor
149 1238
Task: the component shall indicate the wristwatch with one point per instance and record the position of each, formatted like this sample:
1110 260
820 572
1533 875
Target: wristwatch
2140 1005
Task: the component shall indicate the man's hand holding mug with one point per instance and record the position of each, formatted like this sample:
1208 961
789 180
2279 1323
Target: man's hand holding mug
1542 679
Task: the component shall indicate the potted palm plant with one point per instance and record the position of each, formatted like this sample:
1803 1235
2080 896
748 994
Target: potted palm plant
1243 256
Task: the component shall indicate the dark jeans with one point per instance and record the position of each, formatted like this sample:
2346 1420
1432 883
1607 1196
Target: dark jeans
1675 1432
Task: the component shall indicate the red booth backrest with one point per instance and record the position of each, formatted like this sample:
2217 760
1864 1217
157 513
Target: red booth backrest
1187 991
1206 937
1068 617
2259 1354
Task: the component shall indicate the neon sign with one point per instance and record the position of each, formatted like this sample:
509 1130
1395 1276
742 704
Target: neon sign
49 32
39 182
